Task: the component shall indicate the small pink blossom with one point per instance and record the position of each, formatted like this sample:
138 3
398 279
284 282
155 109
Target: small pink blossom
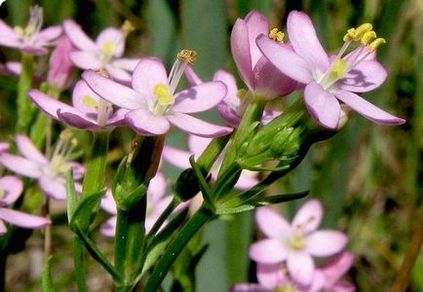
61 67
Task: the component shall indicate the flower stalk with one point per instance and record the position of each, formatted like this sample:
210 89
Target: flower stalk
24 106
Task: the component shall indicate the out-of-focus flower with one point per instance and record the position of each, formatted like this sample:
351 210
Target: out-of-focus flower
296 243
106 52
157 202
327 79
153 104
61 67
10 189
197 145
30 39
50 172
89 111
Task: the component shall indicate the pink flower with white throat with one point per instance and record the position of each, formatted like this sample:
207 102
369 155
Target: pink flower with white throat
296 243
31 39
331 81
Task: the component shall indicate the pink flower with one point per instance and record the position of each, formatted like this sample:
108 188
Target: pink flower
10 190
30 39
296 243
50 173
153 104
106 52
260 75
89 111
329 80
197 145
61 67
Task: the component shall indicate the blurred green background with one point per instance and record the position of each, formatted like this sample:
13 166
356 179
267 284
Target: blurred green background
368 177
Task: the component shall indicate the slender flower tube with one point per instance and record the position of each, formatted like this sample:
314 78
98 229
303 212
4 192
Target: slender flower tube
31 39
329 81
105 53
10 189
152 102
61 67
297 242
89 111
50 172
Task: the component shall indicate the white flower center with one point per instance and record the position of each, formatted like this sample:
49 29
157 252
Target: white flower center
102 107
59 165
33 27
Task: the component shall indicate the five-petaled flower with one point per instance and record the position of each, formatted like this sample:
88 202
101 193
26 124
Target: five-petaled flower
326 79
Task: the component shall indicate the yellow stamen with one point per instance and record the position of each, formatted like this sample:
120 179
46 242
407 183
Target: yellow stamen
297 241
109 49
19 30
90 102
376 43
127 28
339 68
103 72
368 37
350 35
66 134
164 98
361 30
74 142
187 55
2 193
276 35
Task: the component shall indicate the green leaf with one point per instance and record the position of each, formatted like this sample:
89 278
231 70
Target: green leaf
205 188
46 281
72 201
85 211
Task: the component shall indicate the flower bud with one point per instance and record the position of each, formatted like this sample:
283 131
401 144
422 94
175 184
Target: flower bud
61 66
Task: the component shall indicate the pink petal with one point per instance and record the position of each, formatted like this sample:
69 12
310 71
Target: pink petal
48 104
257 24
7 32
309 216
119 74
368 110
77 120
303 38
268 251
86 60
49 34
322 105
240 47
249 288
149 73
22 219
285 60
366 76
176 157
229 114
197 127
117 118
108 203
228 79
53 187
270 276
80 92
126 63
300 267
192 76
112 35
197 144
3 228
20 165
78 36
199 98
246 180
157 188
272 224
108 89
13 187
108 228
145 122
27 149
324 243
337 267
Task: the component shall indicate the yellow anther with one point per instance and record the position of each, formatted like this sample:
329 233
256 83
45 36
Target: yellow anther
187 55
361 30
350 35
74 142
368 37
109 49
164 98
376 43
19 30
2 193
339 68
127 28
103 72
276 35
66 135
90 102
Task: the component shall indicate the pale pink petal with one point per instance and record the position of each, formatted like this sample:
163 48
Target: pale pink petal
324 243
177 157
113 92
268 251
246 181
149 73
78 169
366 76
49 34
272 224
197 144
303 38
108 228
257 24
119 74
322 105
285 60
309 216
80 94
249 288
77 120
3 228
145 122
27 148
48 104
112 36
86 60
199 98
368 110
22 219
20 165
14 68
78 37
126 63
12 187
192 76
53 187
270 276
4 146
196 126
117 118
337 268
157 188
108 203
228 79
7 32
229 114
300 267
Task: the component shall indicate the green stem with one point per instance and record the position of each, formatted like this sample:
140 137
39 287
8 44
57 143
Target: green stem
24 106
169 209
175 247
79 262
